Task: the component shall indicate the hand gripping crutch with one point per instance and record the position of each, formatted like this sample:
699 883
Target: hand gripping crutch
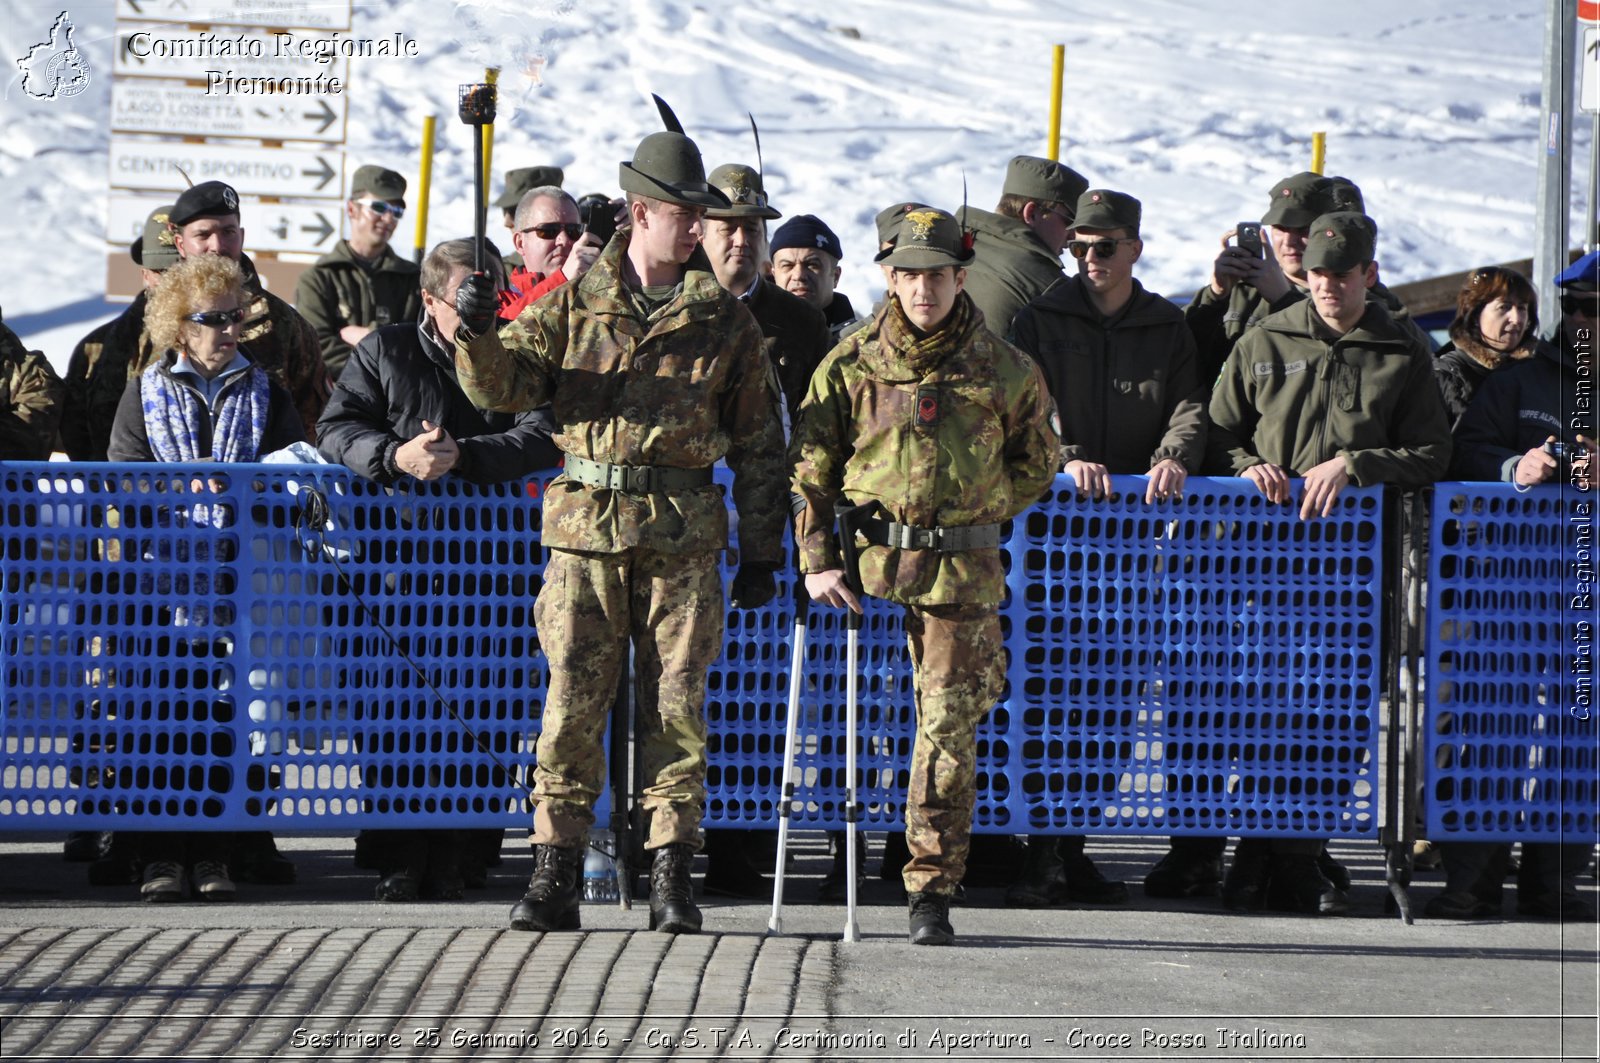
852 813
802 603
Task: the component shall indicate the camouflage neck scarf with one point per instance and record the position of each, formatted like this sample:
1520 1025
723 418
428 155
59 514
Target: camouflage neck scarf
925 353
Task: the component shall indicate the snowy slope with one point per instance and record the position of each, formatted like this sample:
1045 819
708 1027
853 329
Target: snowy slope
1432 107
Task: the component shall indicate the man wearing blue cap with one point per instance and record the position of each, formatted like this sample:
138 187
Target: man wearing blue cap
805 262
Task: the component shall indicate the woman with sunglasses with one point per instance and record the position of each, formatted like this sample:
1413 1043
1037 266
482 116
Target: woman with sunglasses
1496 322
203 400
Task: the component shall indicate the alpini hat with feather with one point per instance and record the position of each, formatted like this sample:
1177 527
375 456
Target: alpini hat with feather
667 166
928 238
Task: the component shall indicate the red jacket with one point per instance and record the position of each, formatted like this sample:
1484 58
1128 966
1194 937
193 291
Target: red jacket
525 288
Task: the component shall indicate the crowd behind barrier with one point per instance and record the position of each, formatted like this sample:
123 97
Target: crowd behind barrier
179 646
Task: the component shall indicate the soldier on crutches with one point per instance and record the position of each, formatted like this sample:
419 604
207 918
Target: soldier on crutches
940 432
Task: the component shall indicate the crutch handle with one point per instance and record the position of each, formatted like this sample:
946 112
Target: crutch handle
847 513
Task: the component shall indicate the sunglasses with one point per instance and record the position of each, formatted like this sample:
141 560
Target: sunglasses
1587 305
1104 247
217 318
382 207
550 229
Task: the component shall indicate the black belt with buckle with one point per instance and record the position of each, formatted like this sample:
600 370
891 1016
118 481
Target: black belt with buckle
635 479
946 539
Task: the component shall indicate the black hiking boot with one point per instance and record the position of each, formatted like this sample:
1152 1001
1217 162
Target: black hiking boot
930 919
672 907
551 902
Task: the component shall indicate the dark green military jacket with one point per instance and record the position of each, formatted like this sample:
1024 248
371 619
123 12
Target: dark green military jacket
1293 395
1013 267
1126 387
92 392
955 429
1218 323
681 389
30 401
342 290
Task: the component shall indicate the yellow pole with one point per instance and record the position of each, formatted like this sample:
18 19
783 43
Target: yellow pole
1057 73
424 183
1319 151
491 74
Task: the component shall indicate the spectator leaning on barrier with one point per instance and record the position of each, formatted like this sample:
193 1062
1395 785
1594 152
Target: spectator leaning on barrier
518 183
1120 363
1332 390
203 399
30 401
396 411
902 418
1018 245
552 245
655 373
361 284
805 262
1496 323
92 397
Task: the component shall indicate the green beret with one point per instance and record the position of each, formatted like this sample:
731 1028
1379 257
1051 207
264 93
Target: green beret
1340 241
1101 208
1043 179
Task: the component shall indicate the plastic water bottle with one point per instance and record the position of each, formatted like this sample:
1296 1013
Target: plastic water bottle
599 869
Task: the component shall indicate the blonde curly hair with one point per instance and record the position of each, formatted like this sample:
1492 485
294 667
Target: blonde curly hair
182 287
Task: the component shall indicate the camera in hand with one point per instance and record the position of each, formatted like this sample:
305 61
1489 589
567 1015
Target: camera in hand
1247 237
1566 453
599 216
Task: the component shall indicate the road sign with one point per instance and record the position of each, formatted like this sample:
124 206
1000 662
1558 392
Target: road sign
283 227
1589 91
1589 10
191 52
314 14
163 167
144 106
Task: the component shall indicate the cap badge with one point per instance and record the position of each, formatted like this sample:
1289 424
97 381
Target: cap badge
229 199
1095 198
822 241
922 223
1327 232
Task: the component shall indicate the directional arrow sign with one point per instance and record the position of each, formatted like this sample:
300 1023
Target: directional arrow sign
188 52
1589 94
162 167
313 14
144 106
267 226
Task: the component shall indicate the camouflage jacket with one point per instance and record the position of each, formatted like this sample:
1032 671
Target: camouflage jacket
341 290
682 389
30 401
982 451
280 341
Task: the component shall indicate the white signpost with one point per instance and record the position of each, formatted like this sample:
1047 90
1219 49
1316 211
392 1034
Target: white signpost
279 227
1589 95
192 52
145 106
162 166
317 14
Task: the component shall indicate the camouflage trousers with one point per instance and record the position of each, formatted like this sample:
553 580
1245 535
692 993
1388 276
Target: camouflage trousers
671 606
958 657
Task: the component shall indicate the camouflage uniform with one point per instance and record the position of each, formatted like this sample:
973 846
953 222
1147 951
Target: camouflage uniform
986 454
681 388
276 338
30 401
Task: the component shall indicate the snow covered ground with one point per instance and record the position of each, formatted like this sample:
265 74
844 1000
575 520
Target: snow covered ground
1197 109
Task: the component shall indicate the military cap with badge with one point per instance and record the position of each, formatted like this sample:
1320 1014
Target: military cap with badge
1340 241
208 199
928 238
155 249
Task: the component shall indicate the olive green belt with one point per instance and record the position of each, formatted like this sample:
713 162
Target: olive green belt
635 479
951 538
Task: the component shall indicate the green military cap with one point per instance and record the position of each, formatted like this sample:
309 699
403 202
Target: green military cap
746 196
1341 193
888 221
1043 179
520 180
1298 200
382 183
667 166
155 250
928 238
1339 241
1101 208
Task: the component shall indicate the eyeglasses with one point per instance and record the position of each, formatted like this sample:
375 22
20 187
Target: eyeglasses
1104 247
1588 304
550 229
218 318
382 207
1063 215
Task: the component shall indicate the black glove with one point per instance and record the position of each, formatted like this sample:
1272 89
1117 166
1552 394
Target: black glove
753 586
476 303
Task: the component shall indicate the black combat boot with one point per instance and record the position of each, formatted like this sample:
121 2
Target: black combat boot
1043 881
551 902
930 919
672 907
1298 885
1191 868
1085 884
1245 888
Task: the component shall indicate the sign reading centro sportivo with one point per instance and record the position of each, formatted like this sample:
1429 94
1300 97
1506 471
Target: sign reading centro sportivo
318 14
140 105
162 166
